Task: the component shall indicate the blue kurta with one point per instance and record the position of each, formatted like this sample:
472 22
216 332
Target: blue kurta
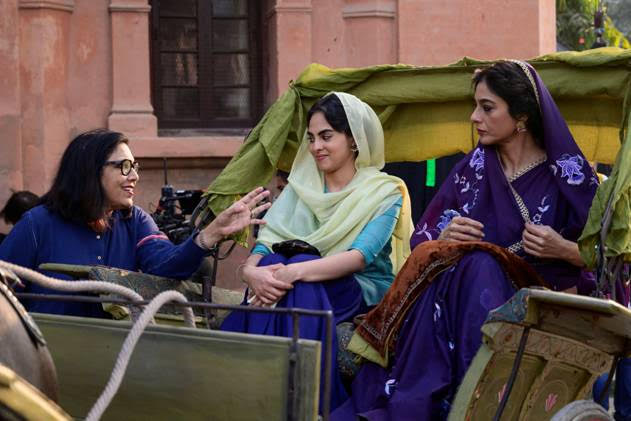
373 242
131 243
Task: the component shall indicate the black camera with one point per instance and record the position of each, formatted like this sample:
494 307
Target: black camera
174 210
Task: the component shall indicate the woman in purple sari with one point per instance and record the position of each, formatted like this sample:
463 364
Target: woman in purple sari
527 188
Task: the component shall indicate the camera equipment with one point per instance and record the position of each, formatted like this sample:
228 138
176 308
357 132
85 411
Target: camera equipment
177 215
173 210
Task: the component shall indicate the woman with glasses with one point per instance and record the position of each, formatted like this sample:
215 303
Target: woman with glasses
88 217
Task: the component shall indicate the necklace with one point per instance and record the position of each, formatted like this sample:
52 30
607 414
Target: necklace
527 168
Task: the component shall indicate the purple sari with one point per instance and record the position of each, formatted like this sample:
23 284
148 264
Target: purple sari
441 332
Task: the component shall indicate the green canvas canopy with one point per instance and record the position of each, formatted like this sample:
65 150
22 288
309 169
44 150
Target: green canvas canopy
615 192
425 112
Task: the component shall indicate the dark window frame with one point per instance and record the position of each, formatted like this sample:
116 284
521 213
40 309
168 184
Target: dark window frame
205 68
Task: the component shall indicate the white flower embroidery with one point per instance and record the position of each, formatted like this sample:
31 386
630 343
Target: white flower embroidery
391 384
542 208
477 159
571 167
437 311
424 231
446 218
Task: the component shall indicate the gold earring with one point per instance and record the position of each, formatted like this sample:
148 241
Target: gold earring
520 126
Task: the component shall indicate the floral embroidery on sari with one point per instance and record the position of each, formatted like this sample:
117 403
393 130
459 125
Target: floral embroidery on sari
424 231
542 208
571 167
446 218
477 159
470 187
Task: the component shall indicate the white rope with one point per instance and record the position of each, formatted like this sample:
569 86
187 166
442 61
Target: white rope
71 286
139 326
128 348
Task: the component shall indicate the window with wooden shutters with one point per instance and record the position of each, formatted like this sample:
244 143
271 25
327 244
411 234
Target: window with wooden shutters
206 70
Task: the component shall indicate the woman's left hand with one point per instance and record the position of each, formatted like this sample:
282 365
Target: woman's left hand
289 273
242 213
543 241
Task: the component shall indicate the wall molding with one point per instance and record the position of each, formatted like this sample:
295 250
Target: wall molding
126 7
224 147
288 9
63 5
369 11
139 110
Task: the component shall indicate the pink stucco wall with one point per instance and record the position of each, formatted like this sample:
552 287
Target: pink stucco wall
355 33
73 65
10 108
89 87
432 33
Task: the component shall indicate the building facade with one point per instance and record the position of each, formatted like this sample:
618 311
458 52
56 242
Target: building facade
186 79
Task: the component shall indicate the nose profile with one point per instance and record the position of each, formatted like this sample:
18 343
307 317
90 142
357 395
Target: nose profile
133 175
474 116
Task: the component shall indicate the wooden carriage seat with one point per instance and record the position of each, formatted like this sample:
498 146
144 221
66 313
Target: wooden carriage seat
178 373
572 340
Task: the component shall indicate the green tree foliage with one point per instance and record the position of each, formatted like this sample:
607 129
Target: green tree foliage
575 25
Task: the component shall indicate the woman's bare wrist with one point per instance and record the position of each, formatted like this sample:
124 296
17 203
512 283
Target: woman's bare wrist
246 274
572 255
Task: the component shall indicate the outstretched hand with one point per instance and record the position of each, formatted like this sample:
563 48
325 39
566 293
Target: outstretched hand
239 215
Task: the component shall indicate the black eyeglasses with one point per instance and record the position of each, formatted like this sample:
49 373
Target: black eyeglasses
125 165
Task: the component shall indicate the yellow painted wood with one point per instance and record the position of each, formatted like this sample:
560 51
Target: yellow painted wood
572 340
20 397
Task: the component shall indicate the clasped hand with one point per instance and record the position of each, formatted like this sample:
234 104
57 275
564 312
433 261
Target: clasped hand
539 240
270 283
543 241
462 228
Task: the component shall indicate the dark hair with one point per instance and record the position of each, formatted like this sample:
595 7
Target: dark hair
508 81
77 193
334 113
18 203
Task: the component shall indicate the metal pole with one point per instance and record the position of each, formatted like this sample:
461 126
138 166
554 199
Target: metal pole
612 371
293 362
513 374
328 365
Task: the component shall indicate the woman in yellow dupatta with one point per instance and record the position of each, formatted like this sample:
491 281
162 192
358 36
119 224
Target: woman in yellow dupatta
338 201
